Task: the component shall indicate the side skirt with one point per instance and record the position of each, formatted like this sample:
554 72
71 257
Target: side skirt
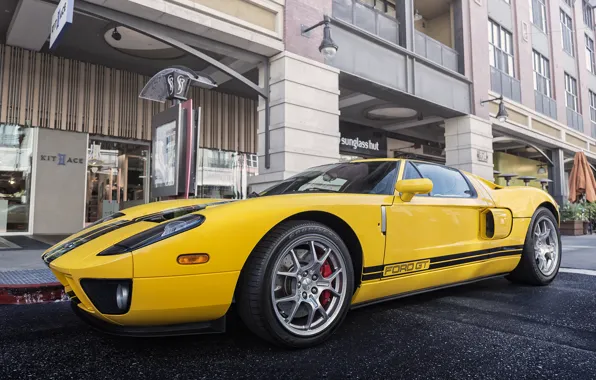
422 291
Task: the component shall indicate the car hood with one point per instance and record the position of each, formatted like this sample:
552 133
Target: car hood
123 224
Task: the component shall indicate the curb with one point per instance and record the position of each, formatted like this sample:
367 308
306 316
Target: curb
27 294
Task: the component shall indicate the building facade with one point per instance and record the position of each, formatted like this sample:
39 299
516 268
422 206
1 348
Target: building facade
410 78
416 74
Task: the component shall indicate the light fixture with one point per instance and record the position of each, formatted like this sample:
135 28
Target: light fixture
502 114
389 112
328 48
541 169
417 16
116 35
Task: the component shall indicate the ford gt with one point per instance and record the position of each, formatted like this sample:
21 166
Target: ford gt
295 258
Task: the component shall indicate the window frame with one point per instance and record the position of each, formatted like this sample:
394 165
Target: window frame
590 57
592 96
472 195
501 48
588 14
571 83
543 73
567 28
540 13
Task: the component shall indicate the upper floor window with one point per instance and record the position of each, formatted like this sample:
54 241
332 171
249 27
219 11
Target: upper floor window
571 92
500 48
590 63
447 182
567 33
592 107
541 74
384 6
538 11
588 14
569 2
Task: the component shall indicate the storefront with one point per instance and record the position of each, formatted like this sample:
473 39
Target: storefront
357 142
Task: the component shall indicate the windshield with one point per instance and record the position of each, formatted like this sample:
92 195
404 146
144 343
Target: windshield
374 177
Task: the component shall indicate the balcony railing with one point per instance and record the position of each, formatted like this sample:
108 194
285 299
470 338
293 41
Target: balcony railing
504 84
436 51
366 18
545 105
575 120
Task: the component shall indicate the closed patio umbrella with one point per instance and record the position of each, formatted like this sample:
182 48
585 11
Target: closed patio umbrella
581 179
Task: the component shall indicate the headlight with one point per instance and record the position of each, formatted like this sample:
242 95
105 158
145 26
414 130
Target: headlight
155 234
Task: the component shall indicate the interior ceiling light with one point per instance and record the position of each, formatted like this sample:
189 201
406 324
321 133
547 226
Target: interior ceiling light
390 112
417 16
133 43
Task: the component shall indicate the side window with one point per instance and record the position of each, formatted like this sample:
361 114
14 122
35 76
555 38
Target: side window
412 173
447 182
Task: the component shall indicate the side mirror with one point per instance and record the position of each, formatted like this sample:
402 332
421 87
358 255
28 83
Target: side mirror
410 187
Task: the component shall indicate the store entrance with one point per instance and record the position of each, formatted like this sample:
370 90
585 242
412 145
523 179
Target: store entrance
117 177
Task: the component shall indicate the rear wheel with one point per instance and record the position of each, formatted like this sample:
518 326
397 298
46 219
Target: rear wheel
296 286
541 257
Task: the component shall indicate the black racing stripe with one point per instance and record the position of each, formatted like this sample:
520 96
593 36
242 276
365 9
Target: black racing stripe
474 253
372 276
473 259
453 260
376 268
453 263
379 268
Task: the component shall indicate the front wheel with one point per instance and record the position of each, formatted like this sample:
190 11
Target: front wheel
541 257
296 287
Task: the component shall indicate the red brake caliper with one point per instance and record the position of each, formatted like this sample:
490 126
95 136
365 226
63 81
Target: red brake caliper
325 294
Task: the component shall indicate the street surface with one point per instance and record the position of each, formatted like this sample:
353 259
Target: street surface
488 330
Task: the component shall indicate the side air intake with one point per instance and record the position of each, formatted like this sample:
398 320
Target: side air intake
496 223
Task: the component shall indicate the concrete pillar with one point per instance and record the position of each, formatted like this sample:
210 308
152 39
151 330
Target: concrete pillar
304 119
469 145
558 187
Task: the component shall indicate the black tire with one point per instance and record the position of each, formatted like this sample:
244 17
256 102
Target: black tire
527 271
253 296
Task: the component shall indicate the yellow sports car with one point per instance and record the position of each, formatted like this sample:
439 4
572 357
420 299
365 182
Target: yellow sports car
296 257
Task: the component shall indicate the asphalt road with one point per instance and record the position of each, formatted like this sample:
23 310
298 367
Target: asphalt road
487 330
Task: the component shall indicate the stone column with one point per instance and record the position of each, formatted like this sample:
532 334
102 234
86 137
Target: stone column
304 119
558 187
469 145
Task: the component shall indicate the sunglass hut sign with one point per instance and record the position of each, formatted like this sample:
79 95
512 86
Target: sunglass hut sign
356 143
61 159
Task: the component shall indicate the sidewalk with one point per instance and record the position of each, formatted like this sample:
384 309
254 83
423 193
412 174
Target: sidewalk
24 277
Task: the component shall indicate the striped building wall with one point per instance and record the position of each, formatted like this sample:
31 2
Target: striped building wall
46 91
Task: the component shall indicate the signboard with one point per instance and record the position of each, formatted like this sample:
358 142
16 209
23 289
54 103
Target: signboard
61 20
165 153
361 140
173 152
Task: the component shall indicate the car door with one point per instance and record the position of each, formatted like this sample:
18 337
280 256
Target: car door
435 231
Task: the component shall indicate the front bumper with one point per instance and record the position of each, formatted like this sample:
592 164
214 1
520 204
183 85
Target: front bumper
207 327
161 301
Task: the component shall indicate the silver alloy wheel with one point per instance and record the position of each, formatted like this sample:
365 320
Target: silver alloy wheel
546 246
309 285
